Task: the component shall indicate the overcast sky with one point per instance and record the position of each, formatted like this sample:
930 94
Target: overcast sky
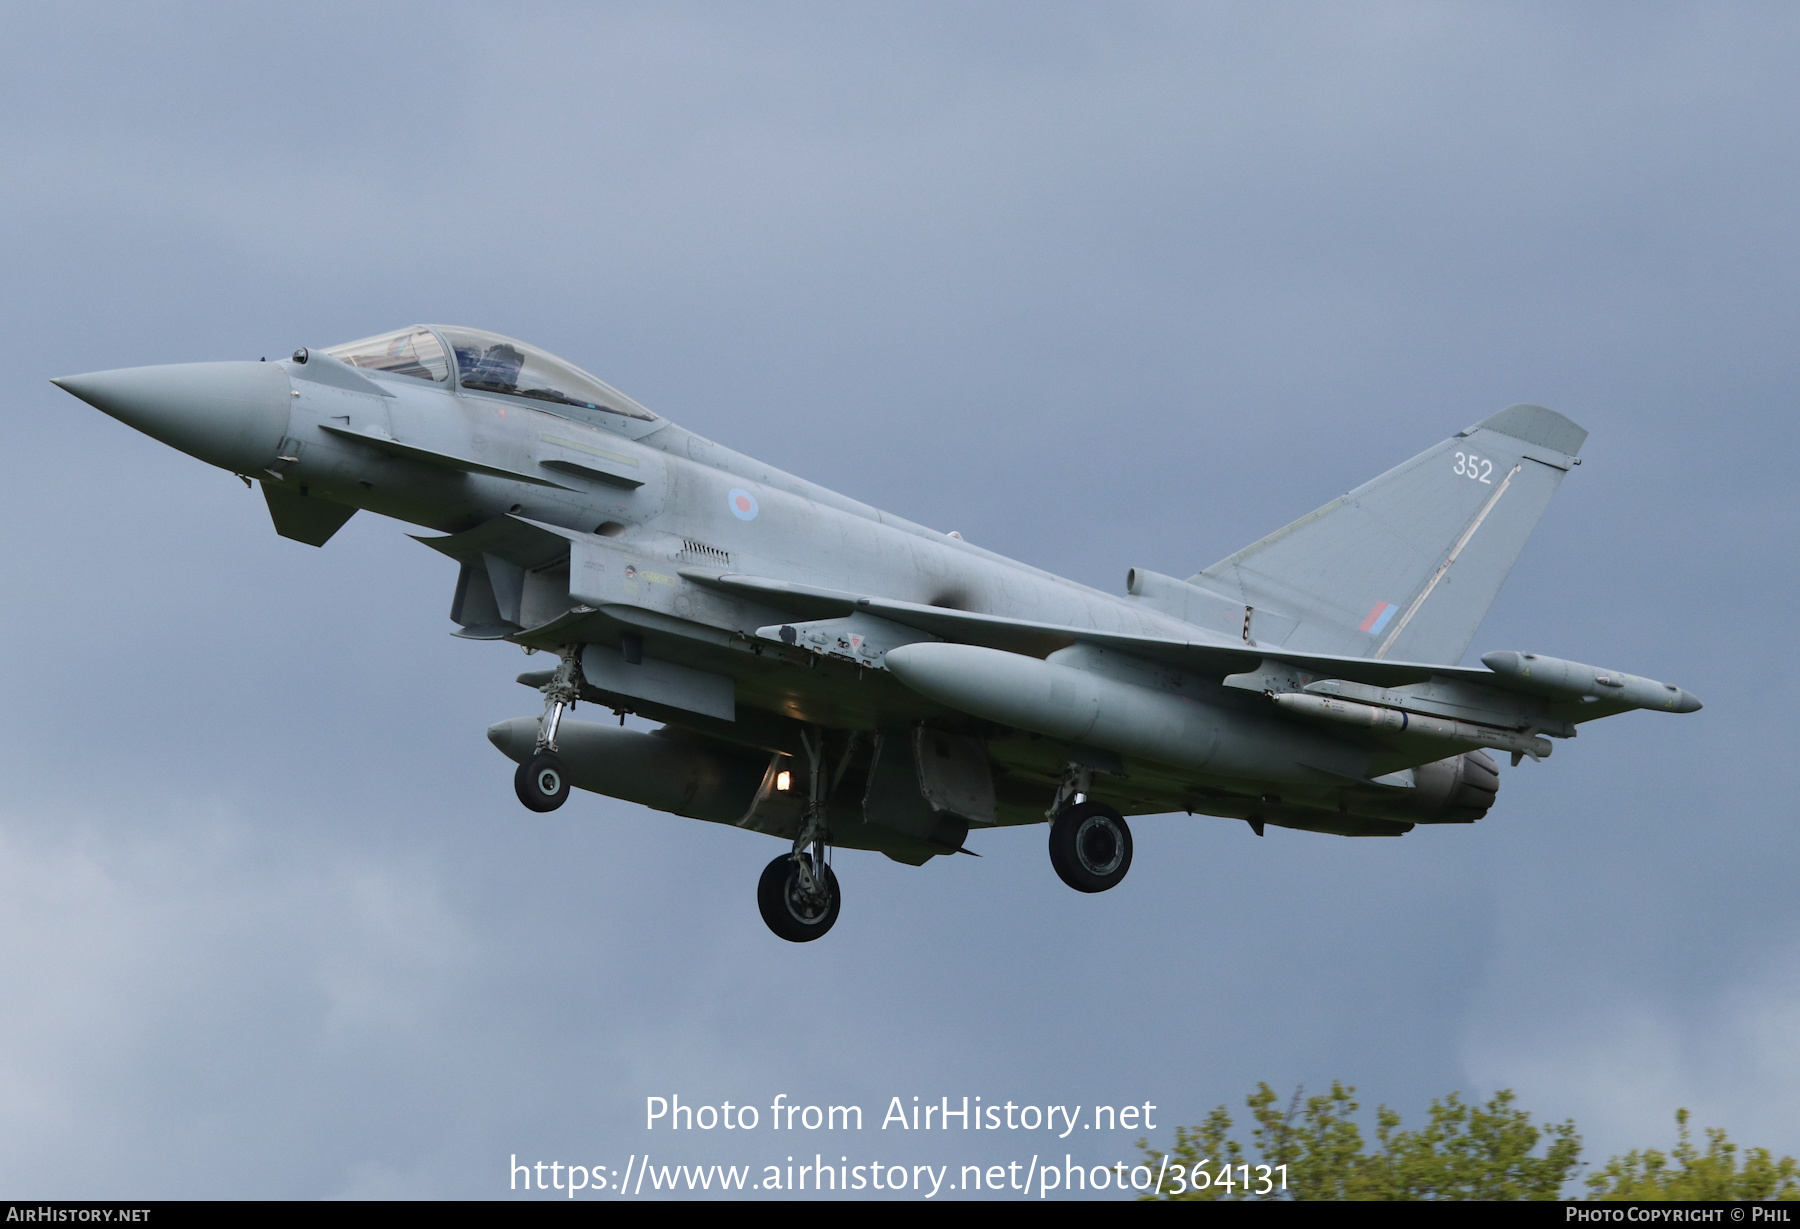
1096 285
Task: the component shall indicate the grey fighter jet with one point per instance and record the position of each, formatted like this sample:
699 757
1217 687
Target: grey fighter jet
837 677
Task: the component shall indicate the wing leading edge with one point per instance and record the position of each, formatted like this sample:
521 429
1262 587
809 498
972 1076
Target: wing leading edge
1525 674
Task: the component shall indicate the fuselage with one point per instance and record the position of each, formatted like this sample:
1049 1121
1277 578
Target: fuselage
798 531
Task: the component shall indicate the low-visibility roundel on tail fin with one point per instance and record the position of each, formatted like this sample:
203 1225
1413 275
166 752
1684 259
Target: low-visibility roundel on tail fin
1407 565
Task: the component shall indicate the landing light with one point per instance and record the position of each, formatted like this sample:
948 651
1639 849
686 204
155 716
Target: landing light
784 781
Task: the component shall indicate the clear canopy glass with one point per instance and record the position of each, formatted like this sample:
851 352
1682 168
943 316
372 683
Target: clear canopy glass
404 352
489 363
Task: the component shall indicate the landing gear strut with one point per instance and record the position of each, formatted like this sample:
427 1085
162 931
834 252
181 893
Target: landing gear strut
542 782
1090 846
798 893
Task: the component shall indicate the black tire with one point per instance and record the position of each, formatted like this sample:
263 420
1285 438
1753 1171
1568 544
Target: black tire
1090 846
542 782
777 895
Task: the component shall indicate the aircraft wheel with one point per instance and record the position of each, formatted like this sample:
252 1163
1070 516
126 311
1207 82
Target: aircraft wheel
542 782
1090 846
789 914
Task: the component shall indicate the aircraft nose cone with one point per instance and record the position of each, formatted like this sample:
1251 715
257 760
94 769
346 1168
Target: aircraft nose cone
232 415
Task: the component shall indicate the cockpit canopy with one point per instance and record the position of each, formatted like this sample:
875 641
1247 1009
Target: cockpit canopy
404 352
488 363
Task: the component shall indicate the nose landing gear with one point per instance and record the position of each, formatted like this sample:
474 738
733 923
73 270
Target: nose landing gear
542 783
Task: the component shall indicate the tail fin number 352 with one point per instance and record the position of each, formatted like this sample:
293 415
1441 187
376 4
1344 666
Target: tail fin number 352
1474 468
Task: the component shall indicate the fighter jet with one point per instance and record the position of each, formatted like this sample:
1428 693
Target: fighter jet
839 678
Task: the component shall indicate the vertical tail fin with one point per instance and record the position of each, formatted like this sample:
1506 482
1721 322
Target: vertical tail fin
1406 566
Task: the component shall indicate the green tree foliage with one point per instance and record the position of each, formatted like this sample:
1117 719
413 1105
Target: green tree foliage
1312 1148
1687 1173
1464 1152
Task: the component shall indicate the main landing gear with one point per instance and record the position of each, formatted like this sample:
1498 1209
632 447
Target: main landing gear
541 781
1090 845
798 893
795 909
